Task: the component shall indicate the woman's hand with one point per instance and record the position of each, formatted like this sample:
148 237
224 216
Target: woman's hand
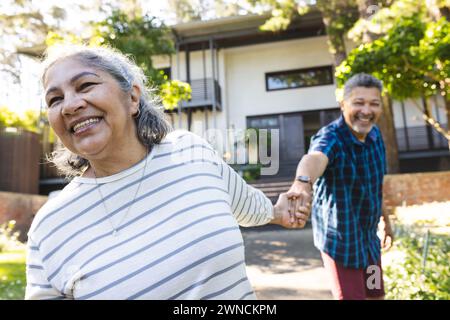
288 214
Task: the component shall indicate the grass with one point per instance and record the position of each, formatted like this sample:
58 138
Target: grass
12 275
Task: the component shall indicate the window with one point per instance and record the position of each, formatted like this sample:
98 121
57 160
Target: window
263 122
299 78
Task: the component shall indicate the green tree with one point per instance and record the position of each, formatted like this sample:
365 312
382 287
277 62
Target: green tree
412 60
195 10
29 120
338 16
184 10
25 24
22 25
143 36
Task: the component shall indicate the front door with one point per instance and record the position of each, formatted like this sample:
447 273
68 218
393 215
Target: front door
291 144
296 130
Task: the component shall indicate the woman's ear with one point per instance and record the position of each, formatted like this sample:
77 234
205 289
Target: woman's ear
341 105
135 95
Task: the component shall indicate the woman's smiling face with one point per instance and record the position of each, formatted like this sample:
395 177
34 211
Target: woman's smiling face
87 109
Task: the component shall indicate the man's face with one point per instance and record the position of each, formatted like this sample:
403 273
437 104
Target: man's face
362 109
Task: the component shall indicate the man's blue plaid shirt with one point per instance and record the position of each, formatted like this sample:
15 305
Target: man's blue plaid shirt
347 203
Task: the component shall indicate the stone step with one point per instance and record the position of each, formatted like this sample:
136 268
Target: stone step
281 184
272 188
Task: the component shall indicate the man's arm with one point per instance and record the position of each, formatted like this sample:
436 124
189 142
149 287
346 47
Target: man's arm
312 165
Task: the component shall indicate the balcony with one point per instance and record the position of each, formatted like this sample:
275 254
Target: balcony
418 142
206 93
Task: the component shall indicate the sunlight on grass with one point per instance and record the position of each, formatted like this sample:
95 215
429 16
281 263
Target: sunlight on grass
12 275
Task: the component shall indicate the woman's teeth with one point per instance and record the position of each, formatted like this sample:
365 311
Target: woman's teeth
85 123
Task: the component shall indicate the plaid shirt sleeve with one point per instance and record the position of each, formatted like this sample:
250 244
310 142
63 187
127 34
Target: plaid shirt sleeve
324 141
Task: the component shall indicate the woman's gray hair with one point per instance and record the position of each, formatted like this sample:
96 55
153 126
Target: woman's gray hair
361 80
151 124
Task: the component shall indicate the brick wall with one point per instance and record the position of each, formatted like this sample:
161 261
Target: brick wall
20 207
416 188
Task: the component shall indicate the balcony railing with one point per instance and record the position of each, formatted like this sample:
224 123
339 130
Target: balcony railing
205 93
416 140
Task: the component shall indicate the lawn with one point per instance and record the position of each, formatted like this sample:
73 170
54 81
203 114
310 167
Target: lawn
12 275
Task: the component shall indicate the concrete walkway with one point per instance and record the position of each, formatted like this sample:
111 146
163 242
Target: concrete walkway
283 264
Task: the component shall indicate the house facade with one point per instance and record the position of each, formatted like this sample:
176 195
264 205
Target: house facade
244 78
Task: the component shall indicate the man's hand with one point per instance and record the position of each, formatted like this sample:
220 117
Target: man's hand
286 216
300 196
386 234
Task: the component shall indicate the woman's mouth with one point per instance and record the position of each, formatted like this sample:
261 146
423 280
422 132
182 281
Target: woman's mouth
85 125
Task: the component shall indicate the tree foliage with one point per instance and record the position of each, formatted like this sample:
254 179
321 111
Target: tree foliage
29 120
141 36
412 59
338 17
183 11
22 25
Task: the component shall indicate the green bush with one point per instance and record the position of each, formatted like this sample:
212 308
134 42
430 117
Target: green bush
9 238
408 279
249 172
27 121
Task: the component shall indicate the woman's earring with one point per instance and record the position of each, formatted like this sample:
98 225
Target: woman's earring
137 114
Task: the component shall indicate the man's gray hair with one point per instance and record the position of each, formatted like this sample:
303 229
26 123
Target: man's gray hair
361 80
151 124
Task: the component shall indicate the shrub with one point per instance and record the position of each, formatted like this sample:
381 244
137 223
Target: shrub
9 238
422 268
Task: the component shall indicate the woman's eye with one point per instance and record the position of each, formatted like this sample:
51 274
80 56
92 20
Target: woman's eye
53 100
86 85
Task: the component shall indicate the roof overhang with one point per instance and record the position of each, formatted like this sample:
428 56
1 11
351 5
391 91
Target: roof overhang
240 30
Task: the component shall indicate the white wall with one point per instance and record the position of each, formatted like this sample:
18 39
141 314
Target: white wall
242 79
245 78
241 76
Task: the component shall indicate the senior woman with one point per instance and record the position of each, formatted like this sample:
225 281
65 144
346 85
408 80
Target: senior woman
150 213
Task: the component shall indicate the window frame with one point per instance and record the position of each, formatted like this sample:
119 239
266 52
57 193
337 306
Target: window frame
291 71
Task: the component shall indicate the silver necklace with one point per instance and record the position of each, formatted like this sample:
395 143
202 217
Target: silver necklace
115 232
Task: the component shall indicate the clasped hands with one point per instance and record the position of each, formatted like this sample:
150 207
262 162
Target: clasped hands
293 208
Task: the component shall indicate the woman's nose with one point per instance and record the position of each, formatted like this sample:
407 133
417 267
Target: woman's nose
72 104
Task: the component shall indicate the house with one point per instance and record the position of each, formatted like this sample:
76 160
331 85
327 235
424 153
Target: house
284 82
244 78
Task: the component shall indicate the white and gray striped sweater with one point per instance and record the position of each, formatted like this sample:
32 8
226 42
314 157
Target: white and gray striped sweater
180 239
